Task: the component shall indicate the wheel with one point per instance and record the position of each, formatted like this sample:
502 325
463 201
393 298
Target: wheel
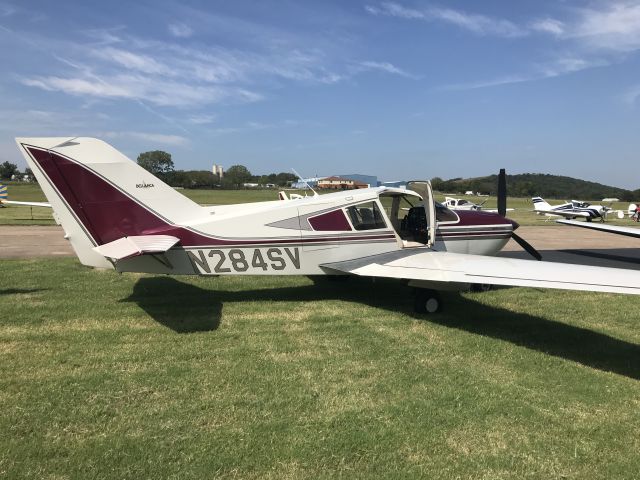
426 301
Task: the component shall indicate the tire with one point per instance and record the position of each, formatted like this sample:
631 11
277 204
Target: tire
427 301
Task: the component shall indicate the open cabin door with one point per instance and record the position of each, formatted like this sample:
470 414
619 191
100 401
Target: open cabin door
423 188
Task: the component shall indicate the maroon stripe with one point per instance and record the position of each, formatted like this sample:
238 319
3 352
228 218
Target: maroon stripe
107 213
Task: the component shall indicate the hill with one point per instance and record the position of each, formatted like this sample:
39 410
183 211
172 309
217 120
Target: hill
537 184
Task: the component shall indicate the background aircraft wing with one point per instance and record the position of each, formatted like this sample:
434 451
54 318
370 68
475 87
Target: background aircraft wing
628 231
442 268
564 213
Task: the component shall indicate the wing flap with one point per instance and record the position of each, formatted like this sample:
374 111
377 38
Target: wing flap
445 267
127 247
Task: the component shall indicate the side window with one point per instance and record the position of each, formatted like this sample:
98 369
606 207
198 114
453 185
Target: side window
366 216
443 214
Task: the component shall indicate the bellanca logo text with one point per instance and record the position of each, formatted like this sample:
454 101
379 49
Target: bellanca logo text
144 185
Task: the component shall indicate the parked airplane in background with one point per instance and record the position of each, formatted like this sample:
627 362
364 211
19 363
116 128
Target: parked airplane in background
118 215
572 209
462 204
4 194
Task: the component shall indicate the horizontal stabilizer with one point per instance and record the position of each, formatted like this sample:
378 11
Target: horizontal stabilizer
26 204
133 246
457 268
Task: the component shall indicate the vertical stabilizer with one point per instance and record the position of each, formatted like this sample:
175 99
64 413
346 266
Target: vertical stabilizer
100 195
540 204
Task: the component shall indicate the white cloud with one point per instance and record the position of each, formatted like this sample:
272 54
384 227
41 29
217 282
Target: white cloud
132 61
616 27
476 23
558 67
383 67
201 119
154 138
180 30
164 93
549 25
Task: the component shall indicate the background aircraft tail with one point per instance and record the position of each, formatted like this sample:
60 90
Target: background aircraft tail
100 196
3 193
540 204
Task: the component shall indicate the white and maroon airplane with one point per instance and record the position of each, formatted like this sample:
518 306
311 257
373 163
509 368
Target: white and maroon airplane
118 215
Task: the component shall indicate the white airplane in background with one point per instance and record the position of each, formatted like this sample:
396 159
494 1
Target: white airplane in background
462 204
118 215
4 194
570 210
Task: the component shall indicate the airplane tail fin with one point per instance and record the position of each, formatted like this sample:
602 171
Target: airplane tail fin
101 196
540 204
4 194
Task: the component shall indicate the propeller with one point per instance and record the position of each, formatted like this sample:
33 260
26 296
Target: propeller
502 210
526 246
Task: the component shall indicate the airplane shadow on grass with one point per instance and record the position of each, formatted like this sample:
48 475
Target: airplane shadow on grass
186 308
19 291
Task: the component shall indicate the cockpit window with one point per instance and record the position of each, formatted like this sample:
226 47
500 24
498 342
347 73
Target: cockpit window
366 216
443 214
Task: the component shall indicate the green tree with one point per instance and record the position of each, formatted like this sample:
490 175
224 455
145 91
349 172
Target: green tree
8 169
157 162
236 175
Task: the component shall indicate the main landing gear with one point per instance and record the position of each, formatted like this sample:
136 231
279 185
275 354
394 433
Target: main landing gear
426 301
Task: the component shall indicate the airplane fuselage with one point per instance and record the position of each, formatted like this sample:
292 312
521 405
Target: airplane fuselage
297 237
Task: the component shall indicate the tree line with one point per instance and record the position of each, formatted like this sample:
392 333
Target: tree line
536 184
159 163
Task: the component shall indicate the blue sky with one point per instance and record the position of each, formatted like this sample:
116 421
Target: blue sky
399 89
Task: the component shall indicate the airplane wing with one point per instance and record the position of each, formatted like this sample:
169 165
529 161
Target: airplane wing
495 210
564 213
26 204
628 231
442 268
127 247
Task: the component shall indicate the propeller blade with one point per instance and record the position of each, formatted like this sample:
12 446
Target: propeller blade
526 246
502 193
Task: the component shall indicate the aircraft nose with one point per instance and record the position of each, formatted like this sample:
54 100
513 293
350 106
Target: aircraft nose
513 223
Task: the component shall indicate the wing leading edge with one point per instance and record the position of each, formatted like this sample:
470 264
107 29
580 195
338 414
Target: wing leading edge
628 231
424 265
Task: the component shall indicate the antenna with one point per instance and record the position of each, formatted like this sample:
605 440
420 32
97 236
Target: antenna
315 194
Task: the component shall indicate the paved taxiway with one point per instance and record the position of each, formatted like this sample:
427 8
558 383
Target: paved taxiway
556 243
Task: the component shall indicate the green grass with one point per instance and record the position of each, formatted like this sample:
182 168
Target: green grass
138 376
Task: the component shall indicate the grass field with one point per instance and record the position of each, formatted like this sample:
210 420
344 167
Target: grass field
14 215
138 376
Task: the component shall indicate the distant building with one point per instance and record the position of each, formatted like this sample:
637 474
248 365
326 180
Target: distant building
313 182
370 180
218 171
339 183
